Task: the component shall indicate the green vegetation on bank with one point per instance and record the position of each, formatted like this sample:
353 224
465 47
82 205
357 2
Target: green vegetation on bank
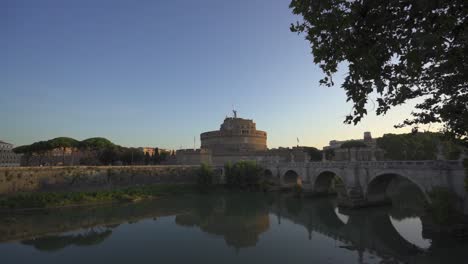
419 146
353 144
205 177
99 151
243 175
59 199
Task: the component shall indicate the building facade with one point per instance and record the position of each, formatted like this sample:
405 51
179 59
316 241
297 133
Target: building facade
236 135
369 153
237 140
7 157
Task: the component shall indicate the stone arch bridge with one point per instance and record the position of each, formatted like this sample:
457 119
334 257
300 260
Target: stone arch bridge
362 183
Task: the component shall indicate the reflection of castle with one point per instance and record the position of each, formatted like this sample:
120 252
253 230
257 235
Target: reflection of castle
239 231
237 139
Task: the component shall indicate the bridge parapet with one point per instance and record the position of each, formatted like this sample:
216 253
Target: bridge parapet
400 164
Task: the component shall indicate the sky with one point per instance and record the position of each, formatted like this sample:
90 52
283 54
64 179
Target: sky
159 73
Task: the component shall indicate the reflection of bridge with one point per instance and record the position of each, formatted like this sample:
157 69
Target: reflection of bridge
370 231
365 182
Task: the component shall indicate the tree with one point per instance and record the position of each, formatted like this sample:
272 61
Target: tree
314 153
418 146
132 156
329 154
63 143
147 158
205 177
110 155
399 50
156 157
243 174
353 144
96 143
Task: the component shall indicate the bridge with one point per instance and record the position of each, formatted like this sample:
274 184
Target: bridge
363 183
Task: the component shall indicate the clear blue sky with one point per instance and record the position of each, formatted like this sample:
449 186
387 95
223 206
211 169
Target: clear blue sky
158 73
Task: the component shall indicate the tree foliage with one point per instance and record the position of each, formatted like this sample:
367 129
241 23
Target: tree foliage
314 153
329 154
397 50
96 143
353 144
205 177
418 146
243 175
101 151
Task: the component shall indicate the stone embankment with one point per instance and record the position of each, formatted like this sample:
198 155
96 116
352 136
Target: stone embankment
82 178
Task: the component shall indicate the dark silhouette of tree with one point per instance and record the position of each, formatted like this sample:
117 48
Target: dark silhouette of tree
353 144
397 50
147 158
156 156
314 153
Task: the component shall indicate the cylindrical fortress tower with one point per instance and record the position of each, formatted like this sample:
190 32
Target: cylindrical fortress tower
235 135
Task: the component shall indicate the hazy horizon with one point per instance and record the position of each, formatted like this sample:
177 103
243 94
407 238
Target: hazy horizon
158 74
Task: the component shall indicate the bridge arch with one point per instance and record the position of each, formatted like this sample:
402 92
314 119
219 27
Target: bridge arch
268 174
377 187
329 182
291 177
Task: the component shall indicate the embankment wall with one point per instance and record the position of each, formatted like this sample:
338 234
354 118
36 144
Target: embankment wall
32 179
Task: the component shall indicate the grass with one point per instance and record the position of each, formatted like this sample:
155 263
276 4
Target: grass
61 199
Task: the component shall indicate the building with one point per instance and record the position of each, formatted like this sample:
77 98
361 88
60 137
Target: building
236 135
237 139
369 153
7 157
148 150
367 139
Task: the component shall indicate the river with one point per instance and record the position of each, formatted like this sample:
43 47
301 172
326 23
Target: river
225 228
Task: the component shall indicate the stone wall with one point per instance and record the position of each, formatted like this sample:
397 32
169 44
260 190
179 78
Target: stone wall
30 179
193 157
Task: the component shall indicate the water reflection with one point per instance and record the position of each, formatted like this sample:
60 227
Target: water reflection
57 242
257 223
411 230
238 218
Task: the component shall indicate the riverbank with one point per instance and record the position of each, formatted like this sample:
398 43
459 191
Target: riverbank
41 200
15 180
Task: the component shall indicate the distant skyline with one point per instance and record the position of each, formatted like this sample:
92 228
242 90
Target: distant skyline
158 73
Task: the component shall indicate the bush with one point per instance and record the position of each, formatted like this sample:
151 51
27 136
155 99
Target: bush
243 175
205 177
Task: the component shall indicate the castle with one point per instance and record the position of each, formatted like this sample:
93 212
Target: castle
237 139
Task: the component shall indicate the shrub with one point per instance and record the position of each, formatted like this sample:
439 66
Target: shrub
205 177
243 175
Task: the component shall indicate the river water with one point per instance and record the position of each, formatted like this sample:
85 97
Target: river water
225 228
